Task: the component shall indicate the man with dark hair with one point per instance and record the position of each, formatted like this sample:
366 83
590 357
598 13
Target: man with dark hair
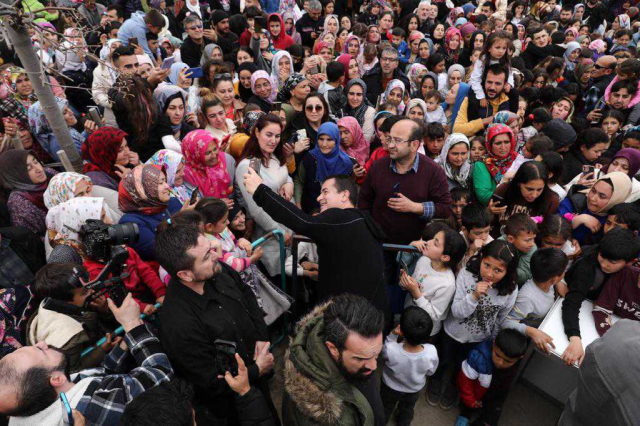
340 341
193 45
207 301
33 377
113 13
220 32
137 27
333 90
382 73
565 17
349 241
472 119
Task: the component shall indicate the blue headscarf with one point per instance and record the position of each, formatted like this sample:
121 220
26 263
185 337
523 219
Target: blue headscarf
174 73
334 163
463 91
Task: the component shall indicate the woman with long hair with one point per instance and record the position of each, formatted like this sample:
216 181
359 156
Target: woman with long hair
244 88
222 87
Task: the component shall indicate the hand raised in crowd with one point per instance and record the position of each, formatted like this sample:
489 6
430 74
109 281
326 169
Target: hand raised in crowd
100 305
149 310
302 145
78 418
224 143
211 34
482 287
128 314
10 126
90 126
251 180
264 359
229 202
138 49
288 149
134 158
587 180
402 204
421 245
595 115
240 383
192 119
157 75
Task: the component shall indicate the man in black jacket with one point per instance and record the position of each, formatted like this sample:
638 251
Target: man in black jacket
349 240
310 25
222 36
382 73
193 46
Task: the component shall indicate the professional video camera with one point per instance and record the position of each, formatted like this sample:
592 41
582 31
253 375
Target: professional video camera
103 243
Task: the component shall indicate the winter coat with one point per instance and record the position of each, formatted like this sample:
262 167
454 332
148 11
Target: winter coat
373 79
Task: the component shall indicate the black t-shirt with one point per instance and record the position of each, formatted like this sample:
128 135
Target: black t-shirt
370 391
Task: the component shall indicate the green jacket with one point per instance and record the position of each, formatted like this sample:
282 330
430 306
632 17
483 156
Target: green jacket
483 184
524 264
314 390
32 5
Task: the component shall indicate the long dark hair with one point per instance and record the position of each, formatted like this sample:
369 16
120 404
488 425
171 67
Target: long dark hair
505 252
252 147
531 170
140 107
325 116
405 24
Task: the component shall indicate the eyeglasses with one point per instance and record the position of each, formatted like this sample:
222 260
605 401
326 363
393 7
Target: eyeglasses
196 27
395 141
226 75
314 107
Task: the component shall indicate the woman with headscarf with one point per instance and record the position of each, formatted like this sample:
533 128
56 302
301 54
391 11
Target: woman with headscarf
263 50
571 55
455 74
71 62
394 95
106 155
243 89
627 161
415 72
359 107
206 166
294 92
43 131
459 93
281 68
290 27
145 65
351 69
264 90
145 198
417 110
413 43
326 159
352 46
20 95
454 160
429 81
173 165
452 45
353 141
500 145
24 175
211 52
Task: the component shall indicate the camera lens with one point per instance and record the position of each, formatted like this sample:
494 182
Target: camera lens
125 233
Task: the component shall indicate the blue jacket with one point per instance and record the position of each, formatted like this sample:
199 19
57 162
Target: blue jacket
404 52
270 6
147 225
135 27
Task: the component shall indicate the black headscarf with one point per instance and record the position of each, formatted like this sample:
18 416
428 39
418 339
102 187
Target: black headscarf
465 56
245 93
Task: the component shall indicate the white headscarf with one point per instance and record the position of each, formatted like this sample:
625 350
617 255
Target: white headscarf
394 84
326 21
275 67
195 8
67 218
417 102
461 176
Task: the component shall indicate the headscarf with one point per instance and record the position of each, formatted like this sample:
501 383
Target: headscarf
448 35
64 254
195 8
505 117
360 147
144 59
453 15
463 91
175 70
327 19
263 74
621 184
346 43
579 71
461 176
288 14
319 46
138 191
632 156
417 102
496 166
206 54
212 181
62 188
66 219
394 84
415 35
413 72
14 176
334 163
42 129
467 28
9 76
453 68
164 95
100 151
243 92
249 121
624 21
292 82
345 59
275 68
460 22
359 112
270 48
571 47
573 31
169 161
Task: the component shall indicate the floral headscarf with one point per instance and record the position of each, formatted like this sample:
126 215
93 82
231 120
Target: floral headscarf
212 181
9 77
292 82
624 21
413 73
250 119
346 43
138 191
275 67
170 161
496 166
263 74
270 48
461 175
394 84
67 218
62 188
100 151
360 148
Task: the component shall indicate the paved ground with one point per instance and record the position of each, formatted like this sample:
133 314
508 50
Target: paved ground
524 406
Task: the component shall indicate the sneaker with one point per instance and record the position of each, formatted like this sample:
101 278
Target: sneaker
434 391
462 421
449 397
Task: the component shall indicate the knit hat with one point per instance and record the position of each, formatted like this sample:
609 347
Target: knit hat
560 132
218 16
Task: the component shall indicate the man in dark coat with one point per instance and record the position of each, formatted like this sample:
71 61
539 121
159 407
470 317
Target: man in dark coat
382 73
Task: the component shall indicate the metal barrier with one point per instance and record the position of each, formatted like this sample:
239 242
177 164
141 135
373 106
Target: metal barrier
275 233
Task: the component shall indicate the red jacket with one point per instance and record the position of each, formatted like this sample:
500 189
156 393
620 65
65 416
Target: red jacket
142 277
283 41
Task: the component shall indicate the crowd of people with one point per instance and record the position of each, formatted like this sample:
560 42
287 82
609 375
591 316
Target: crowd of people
455 167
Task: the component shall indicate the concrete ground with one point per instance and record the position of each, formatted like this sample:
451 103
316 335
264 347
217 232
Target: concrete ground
525 406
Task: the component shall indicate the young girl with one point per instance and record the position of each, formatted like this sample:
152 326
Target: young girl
611 122
554 231
532 125
495 52
478 150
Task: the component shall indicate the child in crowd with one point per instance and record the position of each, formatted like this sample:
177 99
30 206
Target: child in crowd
486 375
587 278
461 198
623 215
534 147
520 230
532 125
620 297
537 295
408 360
476 226
398 41
434 140
435 112
333 89
495 52
433 282
478 149
554 163
238 222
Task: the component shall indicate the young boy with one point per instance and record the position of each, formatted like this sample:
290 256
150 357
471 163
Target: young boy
536 296
486 376
520 230
397 40
535 146
435 113
623 215
433 283
587 278
407 364
332 89
620 297
476 225
434 140
461 198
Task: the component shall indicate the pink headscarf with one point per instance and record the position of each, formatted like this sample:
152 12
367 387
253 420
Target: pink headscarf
263 74
213 181
345 59
415 35
346 44
360 147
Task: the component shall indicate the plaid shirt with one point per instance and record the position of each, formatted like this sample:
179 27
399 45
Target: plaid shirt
113 385
591 99
11 107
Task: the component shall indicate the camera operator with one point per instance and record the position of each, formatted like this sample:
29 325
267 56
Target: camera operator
32 377
207 309
71 334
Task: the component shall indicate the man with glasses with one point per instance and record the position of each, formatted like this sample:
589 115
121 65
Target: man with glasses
137 27
601 76
193 46
382 73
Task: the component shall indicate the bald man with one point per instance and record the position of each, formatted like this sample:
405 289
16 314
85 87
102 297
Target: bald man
601 75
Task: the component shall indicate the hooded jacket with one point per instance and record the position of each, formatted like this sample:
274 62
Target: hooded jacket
283 41
314 390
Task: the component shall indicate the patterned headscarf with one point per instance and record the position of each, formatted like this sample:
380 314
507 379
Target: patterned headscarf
249 121
138 191
461 175
170 161
263 74
451 32
213 181
413 73
394 84
346 43
505 117
496 166
360 147
100 151
624 21
9 77
67 218
62 188
292 82
359 112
